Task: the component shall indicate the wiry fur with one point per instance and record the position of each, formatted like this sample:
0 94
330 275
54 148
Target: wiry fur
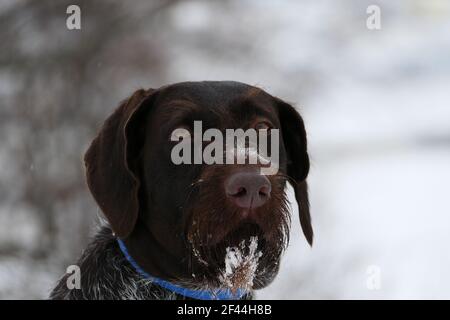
107 275
207 227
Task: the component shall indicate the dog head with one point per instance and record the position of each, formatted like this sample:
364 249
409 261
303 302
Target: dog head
202 214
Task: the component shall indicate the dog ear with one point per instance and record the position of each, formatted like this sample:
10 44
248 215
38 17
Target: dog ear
294 137
109 175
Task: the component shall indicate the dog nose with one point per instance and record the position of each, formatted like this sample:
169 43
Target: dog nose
248 189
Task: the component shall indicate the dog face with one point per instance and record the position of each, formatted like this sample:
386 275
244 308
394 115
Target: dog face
198 212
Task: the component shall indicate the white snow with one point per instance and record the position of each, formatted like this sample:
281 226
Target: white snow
241 263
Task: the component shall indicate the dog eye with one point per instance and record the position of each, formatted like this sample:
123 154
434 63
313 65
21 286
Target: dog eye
180 133
263 125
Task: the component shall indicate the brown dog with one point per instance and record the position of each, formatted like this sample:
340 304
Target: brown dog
178 222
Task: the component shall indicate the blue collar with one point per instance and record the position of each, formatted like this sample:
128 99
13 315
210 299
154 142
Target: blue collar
218 294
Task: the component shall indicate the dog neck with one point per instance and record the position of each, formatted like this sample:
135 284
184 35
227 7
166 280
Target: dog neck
151 256
212 294
156 262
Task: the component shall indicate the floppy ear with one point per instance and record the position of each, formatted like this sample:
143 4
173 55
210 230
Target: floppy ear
294 137
109 176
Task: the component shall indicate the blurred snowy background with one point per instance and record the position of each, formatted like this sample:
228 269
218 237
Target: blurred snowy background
376 105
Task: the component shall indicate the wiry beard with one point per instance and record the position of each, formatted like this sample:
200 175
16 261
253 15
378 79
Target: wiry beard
215 228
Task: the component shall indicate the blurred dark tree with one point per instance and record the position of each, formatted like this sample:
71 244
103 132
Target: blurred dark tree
57 87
